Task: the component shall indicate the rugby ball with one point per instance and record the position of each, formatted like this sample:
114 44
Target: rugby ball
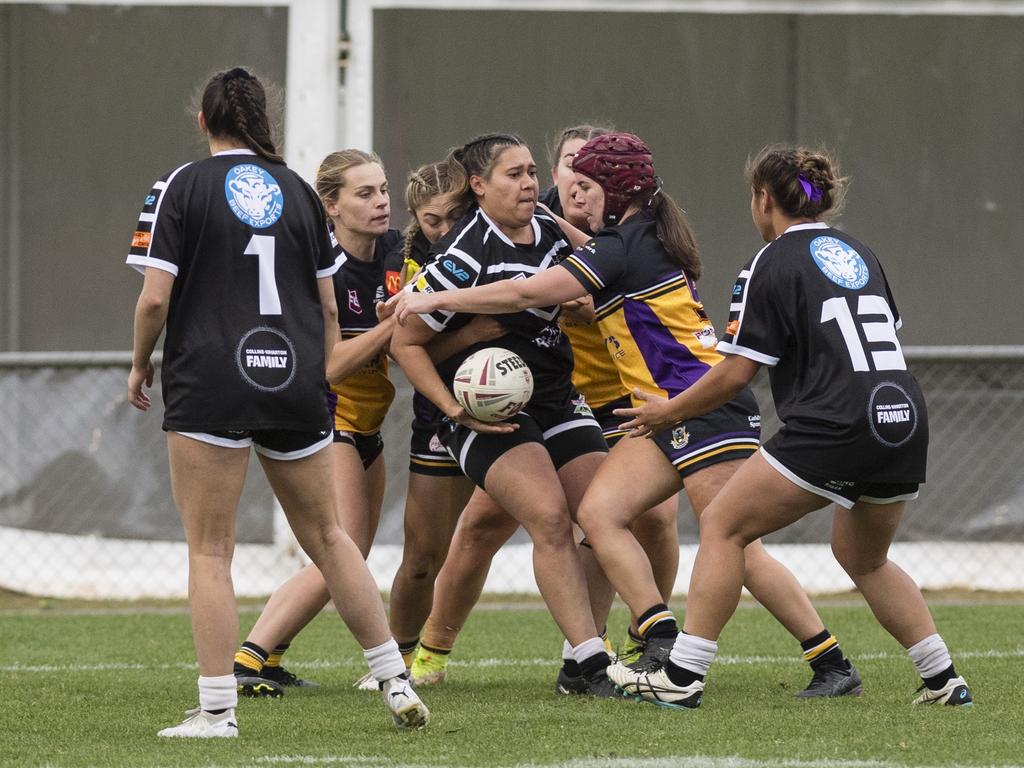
493 384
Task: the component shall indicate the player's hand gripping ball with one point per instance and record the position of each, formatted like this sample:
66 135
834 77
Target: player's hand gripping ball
493 384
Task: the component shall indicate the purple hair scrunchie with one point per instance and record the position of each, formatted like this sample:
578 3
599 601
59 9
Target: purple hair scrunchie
812 192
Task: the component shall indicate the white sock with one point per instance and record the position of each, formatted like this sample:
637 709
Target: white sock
587 649
219 692
693 653
930 656
385 660
567 654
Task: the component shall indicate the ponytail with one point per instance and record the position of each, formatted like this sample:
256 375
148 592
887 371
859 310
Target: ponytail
234 105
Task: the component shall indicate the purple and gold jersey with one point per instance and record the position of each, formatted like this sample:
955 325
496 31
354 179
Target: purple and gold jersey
653 322
365 396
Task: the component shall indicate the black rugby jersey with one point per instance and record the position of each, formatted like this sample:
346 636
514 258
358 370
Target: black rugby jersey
246 240
478 253
653 320
814 305
365 396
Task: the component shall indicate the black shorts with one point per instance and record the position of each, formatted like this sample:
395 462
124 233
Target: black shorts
611 425
845 493
568 431
730 432
369 446
280 444
427 454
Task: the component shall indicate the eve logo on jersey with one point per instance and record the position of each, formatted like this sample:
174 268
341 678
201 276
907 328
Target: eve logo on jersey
457 272
353 302
891 414
253 195
839 262
266 359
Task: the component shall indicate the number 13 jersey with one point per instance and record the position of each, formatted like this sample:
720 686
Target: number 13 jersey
246 240
814 305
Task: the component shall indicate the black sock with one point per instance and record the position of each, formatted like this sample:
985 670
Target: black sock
937 682
681 675
657 621
215 711
406 648
249 659
823 650
594 664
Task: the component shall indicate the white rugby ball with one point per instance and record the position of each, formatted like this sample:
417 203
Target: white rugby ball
493 384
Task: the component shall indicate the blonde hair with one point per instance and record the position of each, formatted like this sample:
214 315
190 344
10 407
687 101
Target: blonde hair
425 183
330 176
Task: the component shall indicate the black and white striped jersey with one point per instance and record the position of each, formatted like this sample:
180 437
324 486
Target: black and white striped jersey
478 253
815 305
246 241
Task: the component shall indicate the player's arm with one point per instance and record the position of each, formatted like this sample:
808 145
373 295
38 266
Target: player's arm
350 355
480 328
329 307
408 347
581 311
714 389
150 318
552 286
573 234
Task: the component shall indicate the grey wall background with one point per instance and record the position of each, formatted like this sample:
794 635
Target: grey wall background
926 112
93 106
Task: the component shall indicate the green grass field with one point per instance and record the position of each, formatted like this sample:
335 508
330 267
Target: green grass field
91 687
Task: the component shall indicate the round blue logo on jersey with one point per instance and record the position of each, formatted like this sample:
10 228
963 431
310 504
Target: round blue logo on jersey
839 262
254 196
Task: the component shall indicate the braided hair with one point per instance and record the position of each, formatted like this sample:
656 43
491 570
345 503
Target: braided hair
234 105
806 183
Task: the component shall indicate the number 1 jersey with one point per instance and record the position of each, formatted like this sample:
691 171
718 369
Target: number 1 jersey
246 241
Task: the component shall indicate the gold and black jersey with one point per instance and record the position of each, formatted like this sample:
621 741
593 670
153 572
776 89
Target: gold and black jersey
365 396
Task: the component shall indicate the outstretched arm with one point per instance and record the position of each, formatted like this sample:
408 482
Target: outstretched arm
552 286
715 388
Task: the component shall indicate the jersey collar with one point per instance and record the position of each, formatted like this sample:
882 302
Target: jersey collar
234 152
812 225
505 238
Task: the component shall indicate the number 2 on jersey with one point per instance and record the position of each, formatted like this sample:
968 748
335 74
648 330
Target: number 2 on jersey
885 331
263 246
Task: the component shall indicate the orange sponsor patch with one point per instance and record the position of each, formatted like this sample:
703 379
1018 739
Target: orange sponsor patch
392 282
732 327
141 239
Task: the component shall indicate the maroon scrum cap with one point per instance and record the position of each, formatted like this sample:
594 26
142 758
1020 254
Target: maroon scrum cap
622 166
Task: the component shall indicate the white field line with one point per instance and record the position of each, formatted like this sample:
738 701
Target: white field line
354 663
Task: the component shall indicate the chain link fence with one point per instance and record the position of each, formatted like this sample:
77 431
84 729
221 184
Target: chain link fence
86 508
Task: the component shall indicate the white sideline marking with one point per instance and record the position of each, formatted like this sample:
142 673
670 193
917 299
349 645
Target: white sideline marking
353 663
